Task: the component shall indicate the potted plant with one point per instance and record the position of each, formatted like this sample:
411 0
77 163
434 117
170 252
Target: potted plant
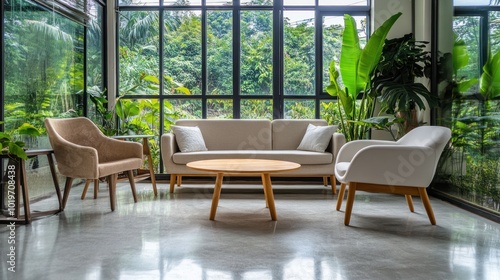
355 69
403 60
11 146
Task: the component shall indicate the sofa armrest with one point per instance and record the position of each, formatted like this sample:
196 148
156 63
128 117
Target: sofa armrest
168 149
338 141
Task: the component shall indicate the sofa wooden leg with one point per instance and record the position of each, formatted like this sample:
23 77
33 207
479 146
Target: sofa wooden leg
179 180
173 178
325 181
409 200
333 180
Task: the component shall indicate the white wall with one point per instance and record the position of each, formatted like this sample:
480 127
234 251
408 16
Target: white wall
381 11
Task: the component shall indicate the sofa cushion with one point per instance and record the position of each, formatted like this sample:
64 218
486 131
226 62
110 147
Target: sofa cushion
317 138
301 157
189 138
287 134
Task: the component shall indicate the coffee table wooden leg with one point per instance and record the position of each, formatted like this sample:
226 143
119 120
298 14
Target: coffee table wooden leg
268 189
265 192
216 195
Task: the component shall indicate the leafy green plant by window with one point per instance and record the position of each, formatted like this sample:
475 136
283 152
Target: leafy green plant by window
356 68
403 60
10 145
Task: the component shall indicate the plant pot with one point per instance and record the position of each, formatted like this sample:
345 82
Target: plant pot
411 120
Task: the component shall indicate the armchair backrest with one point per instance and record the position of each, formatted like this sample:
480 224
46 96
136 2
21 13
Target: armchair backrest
434 137
81 131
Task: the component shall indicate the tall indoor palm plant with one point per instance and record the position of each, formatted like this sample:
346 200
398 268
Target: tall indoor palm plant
356 67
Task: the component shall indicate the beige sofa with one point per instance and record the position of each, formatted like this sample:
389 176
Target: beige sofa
260 139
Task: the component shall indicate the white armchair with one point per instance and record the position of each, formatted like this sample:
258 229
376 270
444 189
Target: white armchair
404 167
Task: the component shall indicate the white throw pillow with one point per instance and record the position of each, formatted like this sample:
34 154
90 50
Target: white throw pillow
316 138
189 138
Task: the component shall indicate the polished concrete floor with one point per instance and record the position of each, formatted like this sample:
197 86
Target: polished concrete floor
171 237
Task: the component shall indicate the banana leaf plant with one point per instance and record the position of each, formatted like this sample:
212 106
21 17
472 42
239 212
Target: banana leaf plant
489 83
356 68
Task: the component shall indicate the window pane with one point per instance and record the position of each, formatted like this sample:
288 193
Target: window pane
182 61
256 52
257 2
43 55
220 52
219 2
139 2
333 26
467 28
299 2
182 2
219 109
139 53
182 109
256 109
472 3
494 32
44 74
299 109
343 2
329 111
299 53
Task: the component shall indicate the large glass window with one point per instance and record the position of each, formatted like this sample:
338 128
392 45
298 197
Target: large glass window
469 170
182 51
299 53
230 59
44 57
139 53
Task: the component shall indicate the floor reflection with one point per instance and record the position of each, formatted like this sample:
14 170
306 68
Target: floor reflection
171 237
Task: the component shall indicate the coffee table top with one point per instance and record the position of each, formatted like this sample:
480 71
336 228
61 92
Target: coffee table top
243 165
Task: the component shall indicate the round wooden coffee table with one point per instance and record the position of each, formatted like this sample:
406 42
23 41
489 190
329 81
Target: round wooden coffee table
264 167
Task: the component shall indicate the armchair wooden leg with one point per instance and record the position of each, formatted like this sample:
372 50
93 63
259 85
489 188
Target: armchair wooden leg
84 193
325 181
132 184
341 196
179 180
333 180
409 200
173 178
112 191
96 188
67 188
350 201
427 205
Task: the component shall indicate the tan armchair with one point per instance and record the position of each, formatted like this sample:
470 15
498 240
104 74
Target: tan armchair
83 151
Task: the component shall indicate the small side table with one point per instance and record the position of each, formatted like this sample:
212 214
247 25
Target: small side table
17 173
147 152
